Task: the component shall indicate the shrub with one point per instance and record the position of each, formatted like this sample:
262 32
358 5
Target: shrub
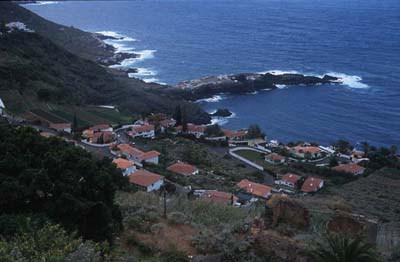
177 218
138 224
157 227
174 255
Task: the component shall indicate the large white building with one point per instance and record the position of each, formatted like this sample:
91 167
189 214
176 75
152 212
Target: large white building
2 106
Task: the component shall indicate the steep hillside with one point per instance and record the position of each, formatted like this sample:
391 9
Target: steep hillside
78 42
36 70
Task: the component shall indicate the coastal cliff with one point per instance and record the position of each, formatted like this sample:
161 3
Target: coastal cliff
244 83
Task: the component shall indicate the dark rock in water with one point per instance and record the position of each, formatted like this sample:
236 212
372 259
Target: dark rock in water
131 71
222 112
106 37
117 58
243 83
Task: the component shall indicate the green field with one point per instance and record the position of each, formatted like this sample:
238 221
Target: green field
251 155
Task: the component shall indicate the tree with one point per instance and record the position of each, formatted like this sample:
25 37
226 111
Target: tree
365 147
74 124
333 162
44 94
178 115
213 131
343 248
393 150
184 121
101 139
343 146
254 131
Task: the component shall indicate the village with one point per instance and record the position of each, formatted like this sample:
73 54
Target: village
273 160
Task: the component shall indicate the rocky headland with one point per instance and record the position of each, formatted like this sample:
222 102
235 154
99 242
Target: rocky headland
244 83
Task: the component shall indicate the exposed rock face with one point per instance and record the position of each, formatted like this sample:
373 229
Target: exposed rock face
270 244
222 112
354 225
289 211
117 58
245 83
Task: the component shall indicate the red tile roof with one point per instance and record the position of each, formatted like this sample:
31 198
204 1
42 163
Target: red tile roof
150 154
99 127
46 134
141 129
108 136
123 163
311 184
144 178
219 197
254 188
125 148
274 157
234 134
291 178
349 168
167 122
305 149
182 168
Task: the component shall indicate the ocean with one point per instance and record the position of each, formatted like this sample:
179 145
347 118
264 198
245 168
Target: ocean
178 40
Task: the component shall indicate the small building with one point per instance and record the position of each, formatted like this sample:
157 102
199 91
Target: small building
275 159
304 151
219 197
235 135
289 180
350 168
106 136
167 123
2 107
101 128
192 129
255 189
312 184
146 181
125 165
145 131
46 134
61 127
244 198
137 155
183 169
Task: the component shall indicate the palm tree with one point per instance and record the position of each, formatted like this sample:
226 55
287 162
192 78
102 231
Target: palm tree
343 248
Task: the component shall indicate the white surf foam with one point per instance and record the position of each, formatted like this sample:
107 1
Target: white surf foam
349 80
219 120
281 86
43 3
279 72
153 80
252 93
266 89
213 99
110 33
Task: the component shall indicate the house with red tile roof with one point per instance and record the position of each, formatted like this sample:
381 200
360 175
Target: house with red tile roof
145 131
275 159
219 197
125 165
46 134
146 180
289 180
107 136
137 155
312 184
303 151
183 169
192 129
350 168
235 135
167 123
101 127
255 189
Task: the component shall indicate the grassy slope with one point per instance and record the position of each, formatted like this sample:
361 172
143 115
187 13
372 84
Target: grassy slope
74 40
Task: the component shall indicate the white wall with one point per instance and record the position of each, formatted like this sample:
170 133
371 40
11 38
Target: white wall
155 186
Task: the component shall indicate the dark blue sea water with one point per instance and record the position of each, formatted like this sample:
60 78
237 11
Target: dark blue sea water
356 39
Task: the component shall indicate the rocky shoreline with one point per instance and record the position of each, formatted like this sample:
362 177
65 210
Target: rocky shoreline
193 90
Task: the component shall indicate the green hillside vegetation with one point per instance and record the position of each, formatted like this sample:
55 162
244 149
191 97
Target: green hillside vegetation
36 73
59 182
81 43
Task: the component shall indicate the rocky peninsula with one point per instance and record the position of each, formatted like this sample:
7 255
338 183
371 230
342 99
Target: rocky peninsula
244 83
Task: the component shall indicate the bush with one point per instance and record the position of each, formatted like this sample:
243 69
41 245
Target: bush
138 224
157 227
174 255
177 218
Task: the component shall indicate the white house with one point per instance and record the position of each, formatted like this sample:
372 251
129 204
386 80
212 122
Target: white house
146 181
125 165
289 180
275 159
145 131
137 155
183 169
61 127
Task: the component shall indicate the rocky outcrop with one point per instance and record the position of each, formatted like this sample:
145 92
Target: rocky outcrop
244 83
222 113
354 225
281 209
117 58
